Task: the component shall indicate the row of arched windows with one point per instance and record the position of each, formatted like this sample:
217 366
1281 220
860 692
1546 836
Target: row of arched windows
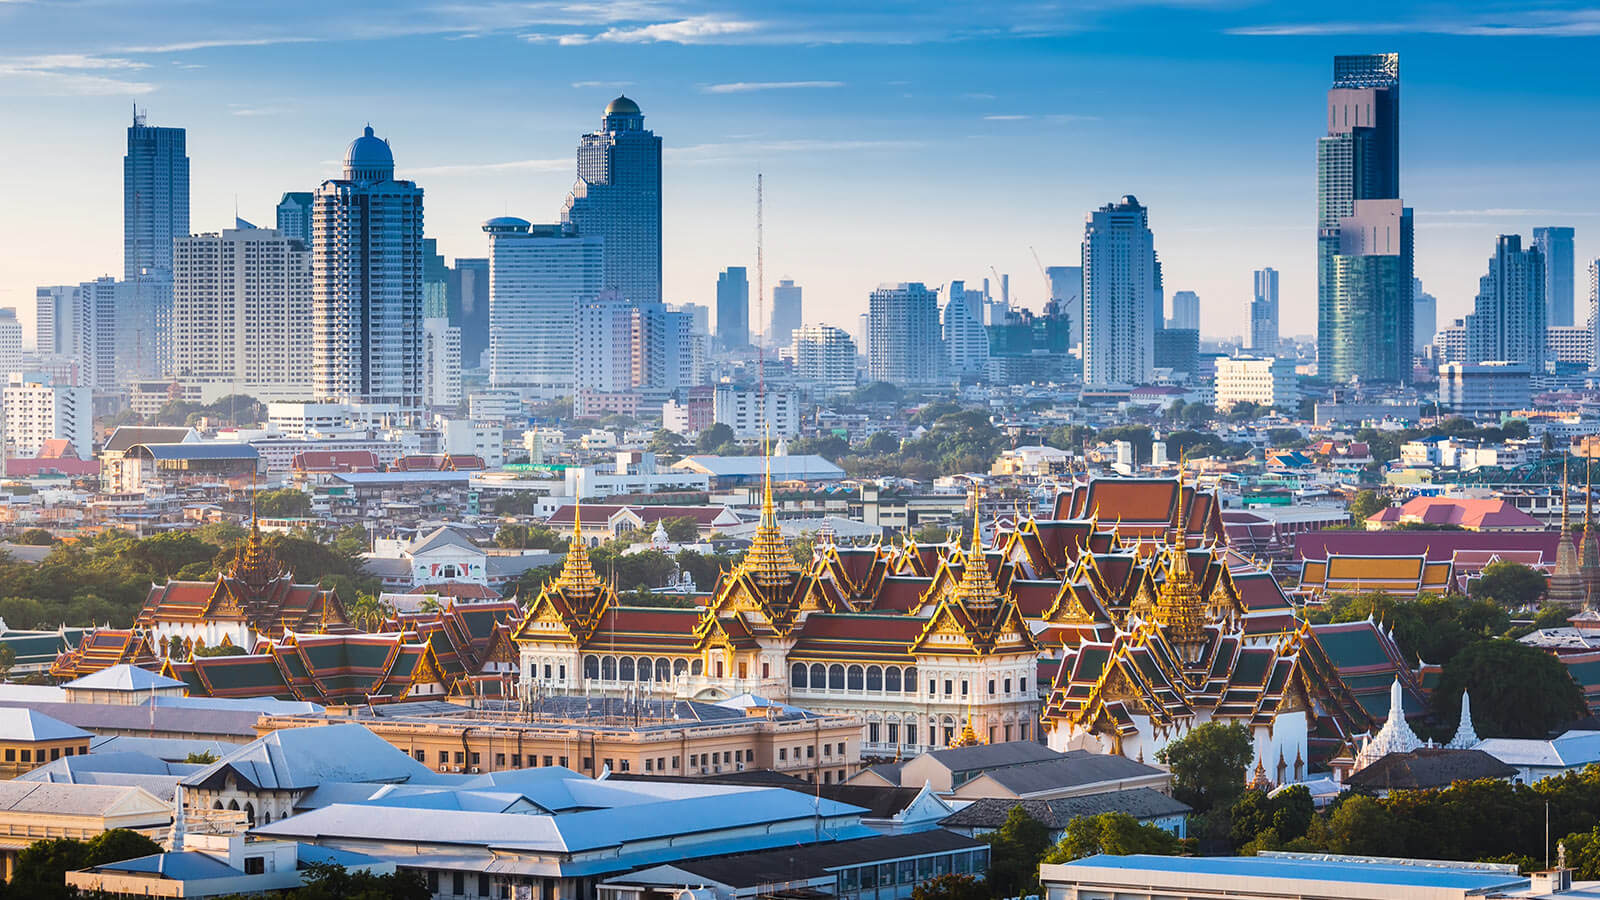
870 679
643 668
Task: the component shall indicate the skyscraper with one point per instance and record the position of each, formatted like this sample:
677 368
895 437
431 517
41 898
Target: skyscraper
1185 311
538 278
10 341
435 282
1264 313
467 300
294 216
966 340
1122 295
733 308
903 334
367 282
1555 244
824 360
1066 298
1364 327
55 328
787 314
241 313
441 363
1507 322
618 197
1424 317
155 198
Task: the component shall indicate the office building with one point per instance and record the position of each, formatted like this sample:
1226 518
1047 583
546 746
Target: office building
1555 245
55 328
1185 311
441 363
733 308
10 341
1508 317
367 282
97 340
155 198
1471 389
618 197
1572 345
1177 350
824 360
1364 328
699 316
1264 381
538 278
603 351
1264 313
435 282
37 410
903 334
294 216
1066 297
1368 336
1121 295
754 414
242 313
787 314
966 339
1424 317
467 298
1450 343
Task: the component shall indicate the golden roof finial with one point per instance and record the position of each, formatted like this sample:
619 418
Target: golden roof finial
577 579
768 558
977 591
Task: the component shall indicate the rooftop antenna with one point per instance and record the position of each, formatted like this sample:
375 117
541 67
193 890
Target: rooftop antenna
761 303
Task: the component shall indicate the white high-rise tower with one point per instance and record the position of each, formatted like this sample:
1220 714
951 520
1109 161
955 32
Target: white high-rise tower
1122 296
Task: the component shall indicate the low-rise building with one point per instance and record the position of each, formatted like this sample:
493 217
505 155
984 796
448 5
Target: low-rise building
219 865
1265 381
29 738
1486 387
32 811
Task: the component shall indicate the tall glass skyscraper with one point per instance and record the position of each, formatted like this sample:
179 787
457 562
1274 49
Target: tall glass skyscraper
1508 316
1121 295
903 334
1264 313
618 197
1364 323
367 271
538 280
1556 246
733 308
155 198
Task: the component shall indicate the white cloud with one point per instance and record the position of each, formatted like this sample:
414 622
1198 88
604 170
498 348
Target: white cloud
737 150
72 75
693 30
742 87
582 85
518 165
256 111
1527 23
1006 118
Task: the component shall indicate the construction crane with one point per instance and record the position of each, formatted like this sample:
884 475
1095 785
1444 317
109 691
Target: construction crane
1049 291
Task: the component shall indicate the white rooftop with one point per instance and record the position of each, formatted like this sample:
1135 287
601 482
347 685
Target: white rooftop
124 677
17 724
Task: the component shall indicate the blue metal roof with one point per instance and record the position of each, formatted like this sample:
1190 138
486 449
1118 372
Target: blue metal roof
1354 871
197 450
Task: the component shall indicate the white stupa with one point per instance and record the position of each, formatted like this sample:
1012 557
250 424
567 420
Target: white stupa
1395 736
1466 736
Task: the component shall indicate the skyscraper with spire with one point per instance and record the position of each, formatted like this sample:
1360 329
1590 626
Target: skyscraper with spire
155 197
618 197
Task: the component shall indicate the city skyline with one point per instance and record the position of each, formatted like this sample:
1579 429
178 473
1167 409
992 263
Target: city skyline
725 108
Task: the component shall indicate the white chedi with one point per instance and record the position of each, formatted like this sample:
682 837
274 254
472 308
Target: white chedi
1466 736
1395 736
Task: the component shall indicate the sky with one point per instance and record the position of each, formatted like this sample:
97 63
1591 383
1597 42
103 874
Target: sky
899 141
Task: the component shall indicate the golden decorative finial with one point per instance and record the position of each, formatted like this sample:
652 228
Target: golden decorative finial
976 591
1180 610
768 559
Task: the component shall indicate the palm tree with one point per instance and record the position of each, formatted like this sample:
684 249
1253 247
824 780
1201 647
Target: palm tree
430 604
370 612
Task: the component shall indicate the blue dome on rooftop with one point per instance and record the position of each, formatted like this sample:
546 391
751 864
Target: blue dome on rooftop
368 158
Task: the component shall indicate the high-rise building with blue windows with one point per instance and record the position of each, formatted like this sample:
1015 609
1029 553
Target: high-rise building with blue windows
733 308
294 216
1555 244
1122 295
1264 313
1508 315
155 198
538 280
618 197
367 283
903 344
1364 325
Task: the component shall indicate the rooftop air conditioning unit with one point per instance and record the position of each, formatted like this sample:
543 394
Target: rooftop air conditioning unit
474 770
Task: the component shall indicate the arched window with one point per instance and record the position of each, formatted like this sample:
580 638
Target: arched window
697 667
836 677
266 818
891 679
217 804
874 679
608 669
625 669
853 678
797 675
663 670
591 667
819 677
250 813
680 667
645 668
233 805
911 680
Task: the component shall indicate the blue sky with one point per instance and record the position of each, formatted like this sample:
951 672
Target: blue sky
899 141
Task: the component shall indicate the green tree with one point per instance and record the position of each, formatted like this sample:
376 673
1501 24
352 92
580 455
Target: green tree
284 503
1288 815
953 886
931 534
1361 825
1510 584
203 758
667 444
1015 849
681 529
1140 436
713 437
1113 833
1366 503
330 881
521 503
8 658
1517 691
36 537
1583 854
368 612
42 866
883 442
1208 770
220 650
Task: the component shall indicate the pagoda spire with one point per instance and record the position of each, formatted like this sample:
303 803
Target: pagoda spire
1180 609
577 578
768 558
1567 583
1466 736
977 592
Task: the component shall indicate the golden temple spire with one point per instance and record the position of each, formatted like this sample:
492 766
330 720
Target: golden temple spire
1180 609
577 576
768 558
977 591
